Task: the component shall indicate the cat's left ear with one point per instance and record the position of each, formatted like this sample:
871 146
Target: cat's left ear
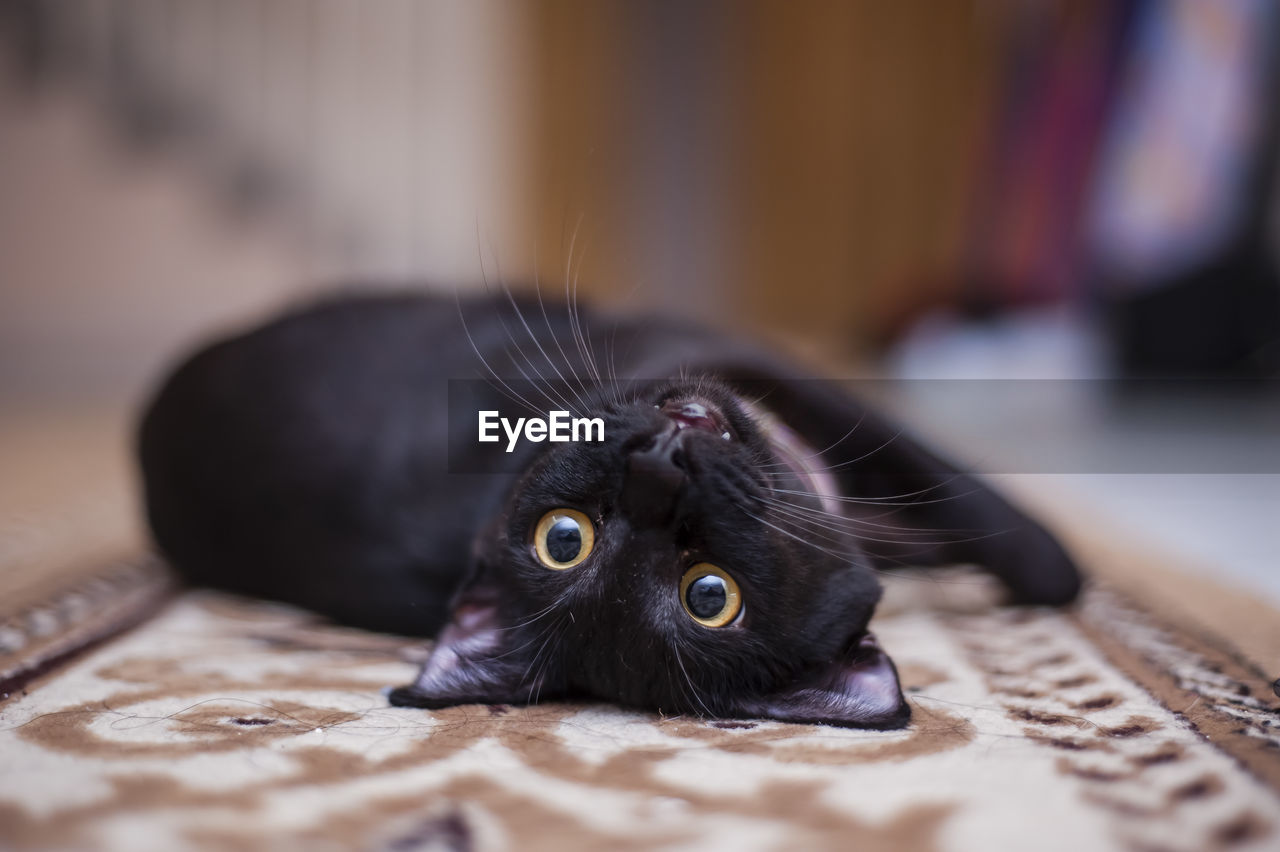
859 689
477 658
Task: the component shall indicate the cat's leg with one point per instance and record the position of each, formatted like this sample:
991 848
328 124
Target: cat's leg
919 508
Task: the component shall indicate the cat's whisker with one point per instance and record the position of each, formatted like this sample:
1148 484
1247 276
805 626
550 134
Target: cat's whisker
845 526
844 464
907 534
583 333
640 329
545 635
855 539
819 514
580 395
548 388
759 400
620 394
558 633
541 383
675 647
841 537
516 650
887 500
536 382
555 606
868 566
502 385
571 304
863 539
860 538
789 534
675 687
615 385
582 392
583 328
823 452
540 614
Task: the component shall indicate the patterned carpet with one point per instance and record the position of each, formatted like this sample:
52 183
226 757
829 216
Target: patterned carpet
137 716
225 723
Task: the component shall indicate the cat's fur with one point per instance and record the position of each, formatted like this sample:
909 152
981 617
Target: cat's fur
309 461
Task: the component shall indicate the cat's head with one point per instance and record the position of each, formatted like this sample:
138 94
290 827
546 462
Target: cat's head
683 565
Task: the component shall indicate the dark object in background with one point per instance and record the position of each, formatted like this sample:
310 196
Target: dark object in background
1179 233
306 461
1220 320
1129 171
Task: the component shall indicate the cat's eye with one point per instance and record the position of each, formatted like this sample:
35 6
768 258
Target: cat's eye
563 538
710 595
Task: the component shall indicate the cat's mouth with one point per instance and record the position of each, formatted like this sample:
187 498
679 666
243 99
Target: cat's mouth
689 413
696 413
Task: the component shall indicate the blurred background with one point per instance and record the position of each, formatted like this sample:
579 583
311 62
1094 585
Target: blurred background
1076 194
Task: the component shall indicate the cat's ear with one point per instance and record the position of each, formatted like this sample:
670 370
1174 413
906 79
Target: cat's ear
857 690
477 658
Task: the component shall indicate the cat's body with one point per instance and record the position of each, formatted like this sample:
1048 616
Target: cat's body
310 461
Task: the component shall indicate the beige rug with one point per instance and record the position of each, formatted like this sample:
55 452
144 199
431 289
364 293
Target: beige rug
231 724
135 717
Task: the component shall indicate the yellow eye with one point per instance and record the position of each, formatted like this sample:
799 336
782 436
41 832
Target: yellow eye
563 538
710 595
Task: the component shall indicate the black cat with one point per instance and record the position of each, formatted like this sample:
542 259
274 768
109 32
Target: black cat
715 553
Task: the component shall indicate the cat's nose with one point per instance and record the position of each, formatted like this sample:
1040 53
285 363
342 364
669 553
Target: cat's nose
654 478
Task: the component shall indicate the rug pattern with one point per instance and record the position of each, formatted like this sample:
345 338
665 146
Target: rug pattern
223 723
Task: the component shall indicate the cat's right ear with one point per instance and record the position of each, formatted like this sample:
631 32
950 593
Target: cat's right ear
858 689
477 658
